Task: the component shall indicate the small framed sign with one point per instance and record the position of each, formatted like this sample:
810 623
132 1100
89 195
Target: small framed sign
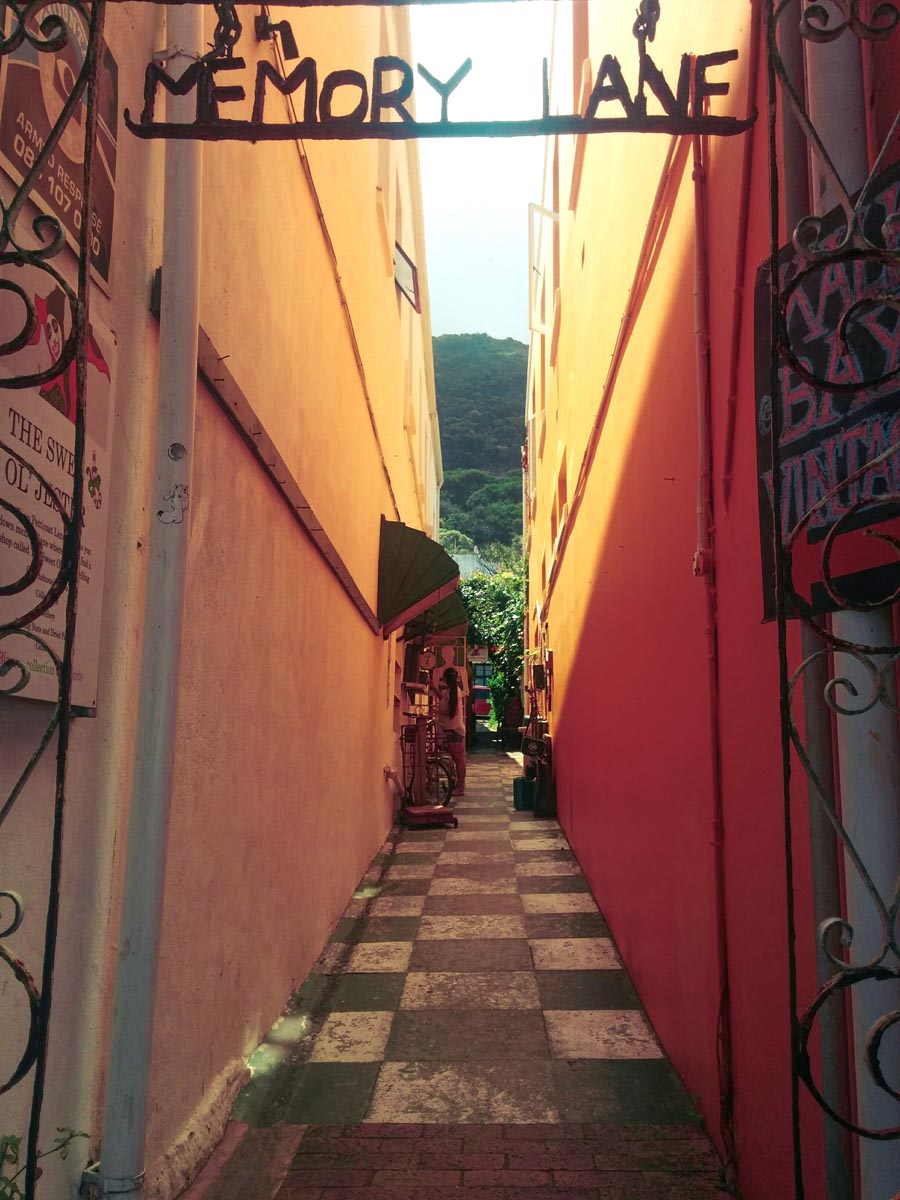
406 276
839 410
34 88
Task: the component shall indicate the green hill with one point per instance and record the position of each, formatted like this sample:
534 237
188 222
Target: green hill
480 383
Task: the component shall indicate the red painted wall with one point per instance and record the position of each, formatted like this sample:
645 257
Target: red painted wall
633 701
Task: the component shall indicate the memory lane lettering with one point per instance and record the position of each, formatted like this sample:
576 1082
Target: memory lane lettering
344 105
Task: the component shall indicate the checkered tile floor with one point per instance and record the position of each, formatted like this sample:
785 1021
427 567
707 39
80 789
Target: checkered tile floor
471 1027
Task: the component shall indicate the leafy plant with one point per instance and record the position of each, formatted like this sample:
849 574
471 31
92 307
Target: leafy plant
505 558
10 1151
495 605
455 542
484 506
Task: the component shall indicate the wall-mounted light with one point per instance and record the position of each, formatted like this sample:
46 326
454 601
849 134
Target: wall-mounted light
266 29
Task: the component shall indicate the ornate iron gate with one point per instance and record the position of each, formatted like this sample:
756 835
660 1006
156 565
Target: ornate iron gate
833 310
37 241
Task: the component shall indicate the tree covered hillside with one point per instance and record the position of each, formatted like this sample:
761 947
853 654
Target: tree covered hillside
480 383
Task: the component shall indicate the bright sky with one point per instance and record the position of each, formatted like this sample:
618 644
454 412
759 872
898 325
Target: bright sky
477 190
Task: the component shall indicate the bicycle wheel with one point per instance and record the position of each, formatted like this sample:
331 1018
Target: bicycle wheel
437 783
449 766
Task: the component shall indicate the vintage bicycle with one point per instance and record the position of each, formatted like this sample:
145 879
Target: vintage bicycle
427 779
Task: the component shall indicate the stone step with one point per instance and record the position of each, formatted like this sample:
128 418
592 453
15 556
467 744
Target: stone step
502 1162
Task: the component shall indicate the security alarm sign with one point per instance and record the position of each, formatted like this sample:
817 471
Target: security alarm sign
33 89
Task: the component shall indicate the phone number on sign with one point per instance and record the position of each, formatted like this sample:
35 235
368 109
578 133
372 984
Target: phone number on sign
61 189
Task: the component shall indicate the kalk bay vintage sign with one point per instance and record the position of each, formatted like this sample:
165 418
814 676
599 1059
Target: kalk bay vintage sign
838 416
349 104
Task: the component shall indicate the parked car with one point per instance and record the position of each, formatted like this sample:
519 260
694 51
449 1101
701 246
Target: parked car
481 700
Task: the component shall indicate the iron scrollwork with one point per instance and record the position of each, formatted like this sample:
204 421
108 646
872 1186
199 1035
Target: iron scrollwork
848 264
38 241
882 963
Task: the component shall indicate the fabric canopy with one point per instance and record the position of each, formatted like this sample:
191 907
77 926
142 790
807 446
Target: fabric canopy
414 573
447 617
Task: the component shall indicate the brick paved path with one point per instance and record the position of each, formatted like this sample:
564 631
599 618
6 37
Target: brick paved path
468 1029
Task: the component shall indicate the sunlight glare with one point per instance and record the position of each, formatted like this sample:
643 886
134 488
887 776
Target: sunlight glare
507 43
477 191
289 1030
265 1059
366 892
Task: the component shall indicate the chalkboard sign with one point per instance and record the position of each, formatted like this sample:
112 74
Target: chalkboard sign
838 411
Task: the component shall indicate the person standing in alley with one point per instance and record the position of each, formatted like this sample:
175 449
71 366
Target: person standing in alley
471 722
452 717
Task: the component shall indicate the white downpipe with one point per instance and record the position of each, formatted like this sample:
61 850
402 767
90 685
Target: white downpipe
869 744
124 1119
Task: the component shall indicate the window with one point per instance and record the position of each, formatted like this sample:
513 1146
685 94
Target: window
538 253
406 276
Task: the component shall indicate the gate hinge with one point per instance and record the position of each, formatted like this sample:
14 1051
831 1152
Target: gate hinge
95 1186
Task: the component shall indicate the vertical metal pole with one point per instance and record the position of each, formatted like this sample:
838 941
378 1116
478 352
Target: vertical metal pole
826 896
128 1079
420 768
868 744
826 886
869 764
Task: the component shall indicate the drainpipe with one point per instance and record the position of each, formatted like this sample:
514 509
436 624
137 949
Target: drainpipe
824 859
704 566
121 1168
868 744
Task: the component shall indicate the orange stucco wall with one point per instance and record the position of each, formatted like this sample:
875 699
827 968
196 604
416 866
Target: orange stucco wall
288 701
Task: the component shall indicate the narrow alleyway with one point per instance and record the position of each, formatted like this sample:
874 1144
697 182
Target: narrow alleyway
468 1029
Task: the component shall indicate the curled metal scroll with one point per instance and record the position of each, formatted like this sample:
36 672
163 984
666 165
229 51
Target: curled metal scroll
59 583
834 990
24 978
871 299
880 676
818 23
881 962
826 22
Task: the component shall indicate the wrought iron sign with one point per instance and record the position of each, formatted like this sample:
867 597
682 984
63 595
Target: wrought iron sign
350 105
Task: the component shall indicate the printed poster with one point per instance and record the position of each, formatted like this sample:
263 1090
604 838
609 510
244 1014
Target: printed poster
33 89
38 423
